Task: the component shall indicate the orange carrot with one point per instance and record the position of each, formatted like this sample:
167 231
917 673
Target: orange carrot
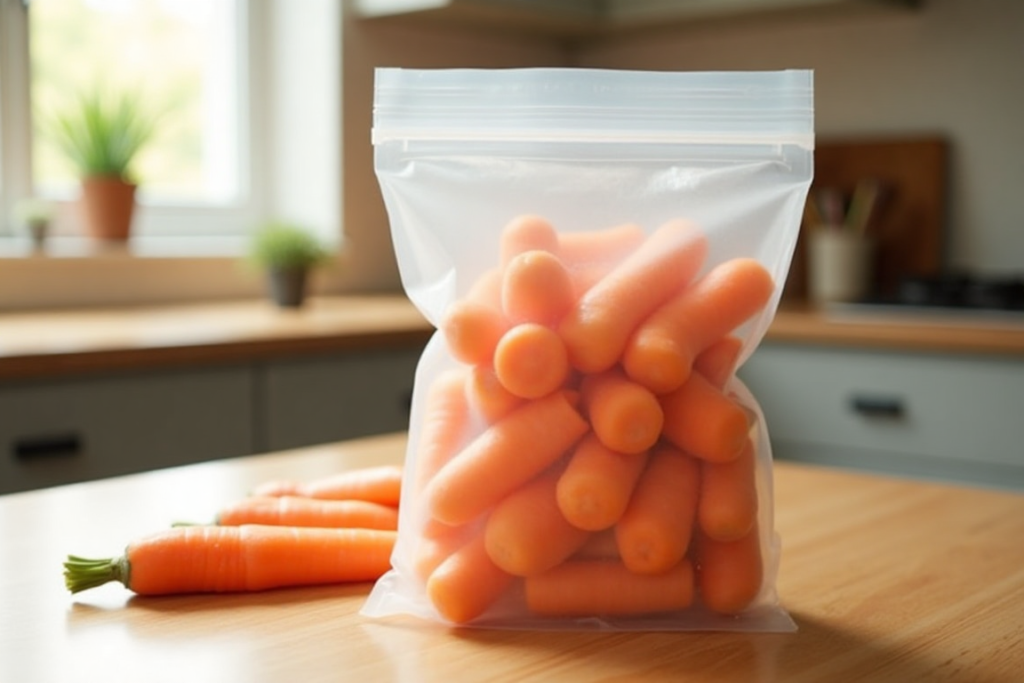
600 545
654 532
727 507
606 587
530 361
703 421
472 330
595 487
487 395
486 289
218 559
625 416
591 255
309 512
597 328
527 233
434 542
729 573
536 288
718 361
467 583
660 353
526 533
381 484
443 426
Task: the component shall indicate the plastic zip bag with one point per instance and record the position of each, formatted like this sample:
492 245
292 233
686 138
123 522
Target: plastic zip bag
600 251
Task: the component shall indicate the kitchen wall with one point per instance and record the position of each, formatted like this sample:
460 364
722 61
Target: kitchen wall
955 67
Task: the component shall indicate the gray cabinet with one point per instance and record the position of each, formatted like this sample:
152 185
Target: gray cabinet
953 417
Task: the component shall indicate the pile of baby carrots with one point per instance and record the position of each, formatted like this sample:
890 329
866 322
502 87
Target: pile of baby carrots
341 528
583 451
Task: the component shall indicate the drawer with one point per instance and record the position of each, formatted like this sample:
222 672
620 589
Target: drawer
953 408
318 400
58 432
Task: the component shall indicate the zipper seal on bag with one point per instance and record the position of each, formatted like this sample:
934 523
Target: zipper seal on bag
594 106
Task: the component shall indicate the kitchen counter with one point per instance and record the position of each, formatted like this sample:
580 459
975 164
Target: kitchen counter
887 580
55 343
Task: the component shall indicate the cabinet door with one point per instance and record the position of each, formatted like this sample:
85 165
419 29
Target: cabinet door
318 400
946 416
57 432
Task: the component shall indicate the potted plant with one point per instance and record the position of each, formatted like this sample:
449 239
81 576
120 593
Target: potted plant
35 216
287 253
102 135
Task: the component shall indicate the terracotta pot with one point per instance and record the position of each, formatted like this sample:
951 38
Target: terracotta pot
287 286
108 204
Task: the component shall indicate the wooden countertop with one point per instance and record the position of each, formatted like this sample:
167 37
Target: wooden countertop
54 343
887 580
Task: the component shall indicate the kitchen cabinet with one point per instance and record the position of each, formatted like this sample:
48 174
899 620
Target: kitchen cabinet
930 415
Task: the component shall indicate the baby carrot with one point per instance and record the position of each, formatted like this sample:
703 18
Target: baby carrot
530 361
718 361
727 506
595 487
219 559
536 288
526 533
487 395
654 531
435 542
526 233
598 326
729 573
600 545
381 484
443 426
467 583
606 587
591 255
660 353
703 421
472 330
309 512
503 457
625 416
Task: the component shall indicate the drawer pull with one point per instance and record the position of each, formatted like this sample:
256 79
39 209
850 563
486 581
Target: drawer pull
47 445
878 407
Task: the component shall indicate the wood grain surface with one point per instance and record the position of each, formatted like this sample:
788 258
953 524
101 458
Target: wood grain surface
888 580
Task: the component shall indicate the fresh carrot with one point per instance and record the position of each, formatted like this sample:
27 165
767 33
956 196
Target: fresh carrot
660 353
600 545
526 533
218 559
598 326
595 487
381 484
503 457
309 512
530 361
727 507
703 421
608 588
472 330
526 233
654 532
443 426
486 289
729 573
467 583
536 288
434 542
487 396
718 361
591 255
625 416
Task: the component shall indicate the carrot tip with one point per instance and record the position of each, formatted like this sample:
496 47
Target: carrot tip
82 573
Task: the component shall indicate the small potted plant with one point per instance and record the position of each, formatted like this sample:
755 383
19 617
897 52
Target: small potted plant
287 252
35 216
101 135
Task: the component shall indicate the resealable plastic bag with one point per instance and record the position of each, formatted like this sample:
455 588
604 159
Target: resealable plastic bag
600 251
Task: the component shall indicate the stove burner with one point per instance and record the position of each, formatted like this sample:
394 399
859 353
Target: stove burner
959 290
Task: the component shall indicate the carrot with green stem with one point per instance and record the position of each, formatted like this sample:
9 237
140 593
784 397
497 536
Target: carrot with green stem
661 352
308 512
503 457
221 559
625 416
380 484
536 288
467 583
527 534
530 361
597 328
608 588
703 421
595 488
654 532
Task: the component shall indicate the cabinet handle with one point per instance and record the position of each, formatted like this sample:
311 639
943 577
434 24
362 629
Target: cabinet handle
47 445
878 407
